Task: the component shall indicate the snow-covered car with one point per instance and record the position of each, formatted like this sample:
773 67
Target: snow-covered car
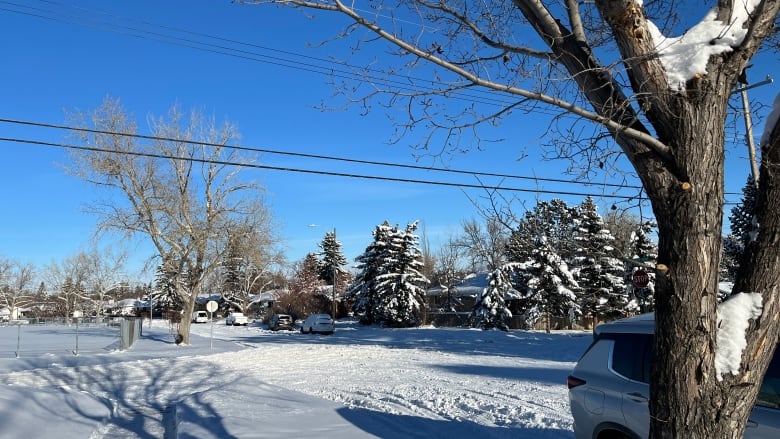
318 323
236 318
281 321
200 317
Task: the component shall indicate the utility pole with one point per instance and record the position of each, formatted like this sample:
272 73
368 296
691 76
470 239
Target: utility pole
335 269
751 145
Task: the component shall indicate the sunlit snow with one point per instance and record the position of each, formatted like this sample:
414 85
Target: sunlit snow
359 382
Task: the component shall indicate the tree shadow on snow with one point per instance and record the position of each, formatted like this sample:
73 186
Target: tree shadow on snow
386 425
545 375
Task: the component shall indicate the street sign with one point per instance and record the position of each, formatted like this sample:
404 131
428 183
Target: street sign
640 278
211 306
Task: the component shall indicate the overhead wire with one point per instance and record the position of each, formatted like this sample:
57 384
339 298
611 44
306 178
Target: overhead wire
310 171
319 156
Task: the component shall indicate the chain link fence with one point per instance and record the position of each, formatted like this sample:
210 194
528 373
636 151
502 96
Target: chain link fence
77 336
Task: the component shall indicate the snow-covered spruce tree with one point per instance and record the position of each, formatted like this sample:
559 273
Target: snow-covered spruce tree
490 310
362 292
550 286
400 286
552 223
333 259
599 272
164 293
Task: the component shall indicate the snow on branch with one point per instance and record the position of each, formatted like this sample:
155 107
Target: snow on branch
734 316
686 56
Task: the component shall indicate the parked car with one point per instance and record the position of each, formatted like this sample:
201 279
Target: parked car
200 317
281 321
319 323
236 318
609 387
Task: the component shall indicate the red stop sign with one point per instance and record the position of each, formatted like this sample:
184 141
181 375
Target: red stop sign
640 278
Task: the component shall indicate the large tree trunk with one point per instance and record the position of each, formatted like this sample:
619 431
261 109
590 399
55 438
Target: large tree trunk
689 222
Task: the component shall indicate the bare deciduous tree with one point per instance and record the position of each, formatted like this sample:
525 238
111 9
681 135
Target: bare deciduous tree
180 189
15 281
485 246
606 65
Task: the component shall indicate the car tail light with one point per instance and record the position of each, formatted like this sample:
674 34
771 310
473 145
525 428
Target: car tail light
572 382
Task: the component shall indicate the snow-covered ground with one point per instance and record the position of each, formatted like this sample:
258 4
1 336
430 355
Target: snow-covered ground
249 382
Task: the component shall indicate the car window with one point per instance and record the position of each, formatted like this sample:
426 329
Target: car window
769 395
631 356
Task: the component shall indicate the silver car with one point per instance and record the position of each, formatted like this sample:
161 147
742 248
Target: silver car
609 390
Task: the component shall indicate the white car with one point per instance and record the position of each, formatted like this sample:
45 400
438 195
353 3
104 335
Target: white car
319 323
236 318
200 317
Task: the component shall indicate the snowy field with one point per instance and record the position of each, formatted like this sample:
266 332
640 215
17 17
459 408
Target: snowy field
248 382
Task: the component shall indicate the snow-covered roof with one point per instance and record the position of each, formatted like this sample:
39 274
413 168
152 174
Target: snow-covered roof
472 285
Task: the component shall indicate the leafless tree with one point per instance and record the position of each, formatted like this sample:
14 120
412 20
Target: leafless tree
104 273
604 66
252 259
181 188
15 281
66 280
485 246
449 270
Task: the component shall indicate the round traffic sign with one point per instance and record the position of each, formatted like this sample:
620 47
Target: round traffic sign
640 278
211 306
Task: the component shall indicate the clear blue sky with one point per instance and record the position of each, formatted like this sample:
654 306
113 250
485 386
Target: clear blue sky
59 57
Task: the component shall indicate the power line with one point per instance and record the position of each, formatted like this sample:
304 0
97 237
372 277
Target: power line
315 156
312 171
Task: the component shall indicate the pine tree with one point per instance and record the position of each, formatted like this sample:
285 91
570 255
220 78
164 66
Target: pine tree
164 294
540 246
390 287
363 290
490 310
401 284
332 259
550 286
600 273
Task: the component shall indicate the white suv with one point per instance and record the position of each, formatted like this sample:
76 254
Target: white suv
609 390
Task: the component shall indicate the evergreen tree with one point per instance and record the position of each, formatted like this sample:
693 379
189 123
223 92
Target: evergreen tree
490 310
332 259
600 273
363 290
549 287
390 287
164 294
401 285
544 236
